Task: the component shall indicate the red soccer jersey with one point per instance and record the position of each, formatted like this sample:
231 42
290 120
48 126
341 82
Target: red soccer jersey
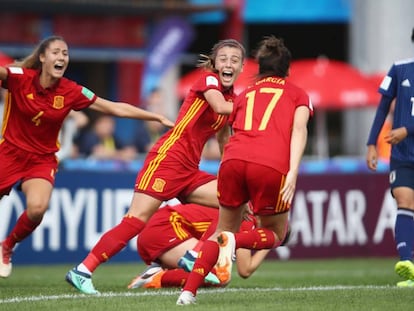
34 115
196 123
172 225
193 217
262 122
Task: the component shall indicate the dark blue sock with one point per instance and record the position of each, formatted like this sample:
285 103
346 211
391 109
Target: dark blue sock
404 233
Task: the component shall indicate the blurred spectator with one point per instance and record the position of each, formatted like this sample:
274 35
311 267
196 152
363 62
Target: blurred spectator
100 142
141 140
155 104
70 129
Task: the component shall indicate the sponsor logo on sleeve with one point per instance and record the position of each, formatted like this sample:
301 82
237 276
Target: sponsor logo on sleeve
385 84
211 80
16 70
87 93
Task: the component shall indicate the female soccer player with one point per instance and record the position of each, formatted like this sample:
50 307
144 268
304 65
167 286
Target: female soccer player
171 168
260 163
39 98
398 84
180 228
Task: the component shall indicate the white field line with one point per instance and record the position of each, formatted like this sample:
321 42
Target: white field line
176 292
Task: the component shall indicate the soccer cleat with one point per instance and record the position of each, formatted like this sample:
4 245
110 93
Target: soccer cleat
212 279
223 274
81 281
407 283
5 261
186 298
187 263
227 244
150 278
405 269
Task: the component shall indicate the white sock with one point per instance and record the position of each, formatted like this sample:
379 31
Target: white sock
193 253
82 268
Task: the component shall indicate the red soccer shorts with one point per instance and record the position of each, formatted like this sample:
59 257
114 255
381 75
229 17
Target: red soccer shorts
19 165
167 178
240 181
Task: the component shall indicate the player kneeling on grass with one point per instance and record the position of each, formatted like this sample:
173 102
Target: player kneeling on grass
180 231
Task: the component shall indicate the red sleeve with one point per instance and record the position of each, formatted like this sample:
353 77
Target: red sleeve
81 96
207 81
304 100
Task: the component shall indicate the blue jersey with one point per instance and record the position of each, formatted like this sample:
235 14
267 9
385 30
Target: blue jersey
399 84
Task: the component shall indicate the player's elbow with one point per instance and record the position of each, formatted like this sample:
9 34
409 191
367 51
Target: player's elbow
222 109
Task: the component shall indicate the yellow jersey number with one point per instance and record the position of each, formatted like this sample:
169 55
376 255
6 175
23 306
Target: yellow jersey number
36 119
248 121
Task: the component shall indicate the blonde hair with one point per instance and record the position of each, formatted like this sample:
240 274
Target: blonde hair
207 61
32 61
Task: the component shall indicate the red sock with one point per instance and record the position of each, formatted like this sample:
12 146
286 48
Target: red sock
210 230
113 241
260 238
204 263
22 229
177 278
174 278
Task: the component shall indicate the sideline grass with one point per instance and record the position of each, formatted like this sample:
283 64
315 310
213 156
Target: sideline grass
351 284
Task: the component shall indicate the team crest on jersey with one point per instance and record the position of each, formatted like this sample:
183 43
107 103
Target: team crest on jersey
393 176
158 185
58 102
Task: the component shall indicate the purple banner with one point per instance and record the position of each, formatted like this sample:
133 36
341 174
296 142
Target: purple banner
342 215
170 38
337 215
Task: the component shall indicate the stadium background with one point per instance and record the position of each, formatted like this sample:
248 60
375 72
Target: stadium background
340 209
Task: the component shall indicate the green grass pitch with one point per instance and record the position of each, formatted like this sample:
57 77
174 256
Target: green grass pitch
339 284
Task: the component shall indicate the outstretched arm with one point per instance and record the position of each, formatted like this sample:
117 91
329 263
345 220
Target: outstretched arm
124 110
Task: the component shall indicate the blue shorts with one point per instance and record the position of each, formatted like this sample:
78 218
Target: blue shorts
402 176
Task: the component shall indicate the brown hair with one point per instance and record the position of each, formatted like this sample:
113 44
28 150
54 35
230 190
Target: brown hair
273 57
32 61
207 61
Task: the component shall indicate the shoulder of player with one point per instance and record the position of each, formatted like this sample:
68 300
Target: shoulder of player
68 84
20 71
406 61
294 87
207 73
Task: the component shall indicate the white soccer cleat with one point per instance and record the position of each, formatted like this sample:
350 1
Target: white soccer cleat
227 254
186 298
5 262
148 278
